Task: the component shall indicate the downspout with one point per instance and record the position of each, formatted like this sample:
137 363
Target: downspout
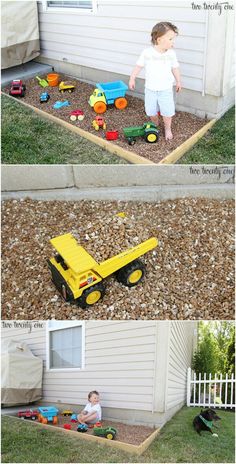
205 53
154 372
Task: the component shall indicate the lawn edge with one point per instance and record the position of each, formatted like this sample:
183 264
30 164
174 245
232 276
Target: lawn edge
131 157
176 154
128 447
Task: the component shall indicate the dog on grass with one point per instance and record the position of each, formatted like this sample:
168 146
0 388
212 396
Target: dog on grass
205 421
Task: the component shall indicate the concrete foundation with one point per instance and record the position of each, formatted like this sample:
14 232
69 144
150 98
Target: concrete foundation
134 183
24 71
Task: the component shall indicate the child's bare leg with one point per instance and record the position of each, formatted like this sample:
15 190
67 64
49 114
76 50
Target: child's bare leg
155 119
167 124
90 417
81 418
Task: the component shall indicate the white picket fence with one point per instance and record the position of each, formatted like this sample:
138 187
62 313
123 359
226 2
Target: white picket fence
209 392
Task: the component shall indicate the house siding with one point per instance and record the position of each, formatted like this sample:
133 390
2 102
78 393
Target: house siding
113 38
182 341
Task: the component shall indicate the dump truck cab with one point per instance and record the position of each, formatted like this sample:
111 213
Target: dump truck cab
78 276
97 96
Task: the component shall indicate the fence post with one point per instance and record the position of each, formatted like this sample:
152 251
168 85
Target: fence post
188 386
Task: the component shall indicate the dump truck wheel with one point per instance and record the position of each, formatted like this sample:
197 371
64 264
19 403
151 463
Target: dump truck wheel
91 295
121 103
44 420
151 137
100 107
55 420
131 274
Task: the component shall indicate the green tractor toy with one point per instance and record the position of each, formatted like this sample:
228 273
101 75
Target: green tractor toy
148 131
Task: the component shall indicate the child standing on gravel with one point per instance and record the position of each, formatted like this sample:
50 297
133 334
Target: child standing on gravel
92 412
161 70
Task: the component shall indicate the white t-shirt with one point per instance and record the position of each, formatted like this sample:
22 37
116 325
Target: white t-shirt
158 66
94 408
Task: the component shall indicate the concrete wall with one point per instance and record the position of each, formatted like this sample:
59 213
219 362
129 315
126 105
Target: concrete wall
130 182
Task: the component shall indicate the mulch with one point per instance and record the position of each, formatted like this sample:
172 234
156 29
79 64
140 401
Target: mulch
184 124
190 275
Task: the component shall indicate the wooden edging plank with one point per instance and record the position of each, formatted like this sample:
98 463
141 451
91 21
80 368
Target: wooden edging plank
129 156
176 154
128 447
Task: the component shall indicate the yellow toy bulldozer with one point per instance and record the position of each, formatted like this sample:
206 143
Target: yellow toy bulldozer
78 277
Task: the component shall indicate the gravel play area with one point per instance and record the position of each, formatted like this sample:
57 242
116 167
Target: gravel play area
184 124
190 275
133 434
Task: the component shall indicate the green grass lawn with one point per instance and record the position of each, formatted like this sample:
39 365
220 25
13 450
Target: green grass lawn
177 442
29 139
217 146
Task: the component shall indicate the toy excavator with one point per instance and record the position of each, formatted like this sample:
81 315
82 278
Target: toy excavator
78 277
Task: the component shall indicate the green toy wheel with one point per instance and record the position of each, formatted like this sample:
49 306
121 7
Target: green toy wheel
91 296
131 141
131 274
110 435
151 136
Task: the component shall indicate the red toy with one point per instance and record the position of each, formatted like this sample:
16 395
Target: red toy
77 114
67 426
98 122
17 88
28 414
112 135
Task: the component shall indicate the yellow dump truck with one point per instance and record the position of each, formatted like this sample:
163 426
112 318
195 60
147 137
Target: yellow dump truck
78 277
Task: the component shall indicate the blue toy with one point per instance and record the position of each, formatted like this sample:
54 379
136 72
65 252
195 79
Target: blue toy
60 104
82 428
107 93
44 97
73 418
48 414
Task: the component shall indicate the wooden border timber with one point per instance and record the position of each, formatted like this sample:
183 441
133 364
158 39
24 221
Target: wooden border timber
128 447
176 154
129 156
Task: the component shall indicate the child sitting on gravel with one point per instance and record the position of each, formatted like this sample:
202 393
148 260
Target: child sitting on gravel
161 70
92 412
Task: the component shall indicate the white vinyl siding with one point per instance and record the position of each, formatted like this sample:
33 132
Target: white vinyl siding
180 355
113 38
31 332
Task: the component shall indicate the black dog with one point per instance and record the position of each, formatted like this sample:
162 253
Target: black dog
204 421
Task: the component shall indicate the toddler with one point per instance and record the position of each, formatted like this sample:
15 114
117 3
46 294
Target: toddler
92 412
161 70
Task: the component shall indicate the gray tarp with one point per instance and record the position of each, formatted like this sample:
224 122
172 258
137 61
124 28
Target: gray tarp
21 374
19 32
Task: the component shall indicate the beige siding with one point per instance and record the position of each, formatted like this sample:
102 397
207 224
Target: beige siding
113 37
182 339
31 332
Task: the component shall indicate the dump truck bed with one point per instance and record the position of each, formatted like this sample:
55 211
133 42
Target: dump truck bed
117 262
113 90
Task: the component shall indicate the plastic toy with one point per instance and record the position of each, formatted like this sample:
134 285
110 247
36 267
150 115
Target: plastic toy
78 277
17 88
77 114
48 414
112 135
67 412
59 104
82 428
42 82
148 131
28 414
53 79
74 418
107 432
67 426
99 122
44 97
63 86
108 93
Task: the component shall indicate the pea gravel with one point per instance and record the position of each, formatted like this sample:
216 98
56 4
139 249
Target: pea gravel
184 124
189 276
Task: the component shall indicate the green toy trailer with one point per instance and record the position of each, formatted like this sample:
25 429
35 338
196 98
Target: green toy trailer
148 131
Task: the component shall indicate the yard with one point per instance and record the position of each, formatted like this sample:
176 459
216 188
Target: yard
177 442
184 124
190 275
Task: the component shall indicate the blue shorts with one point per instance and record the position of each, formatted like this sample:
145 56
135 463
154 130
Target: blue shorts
159 101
